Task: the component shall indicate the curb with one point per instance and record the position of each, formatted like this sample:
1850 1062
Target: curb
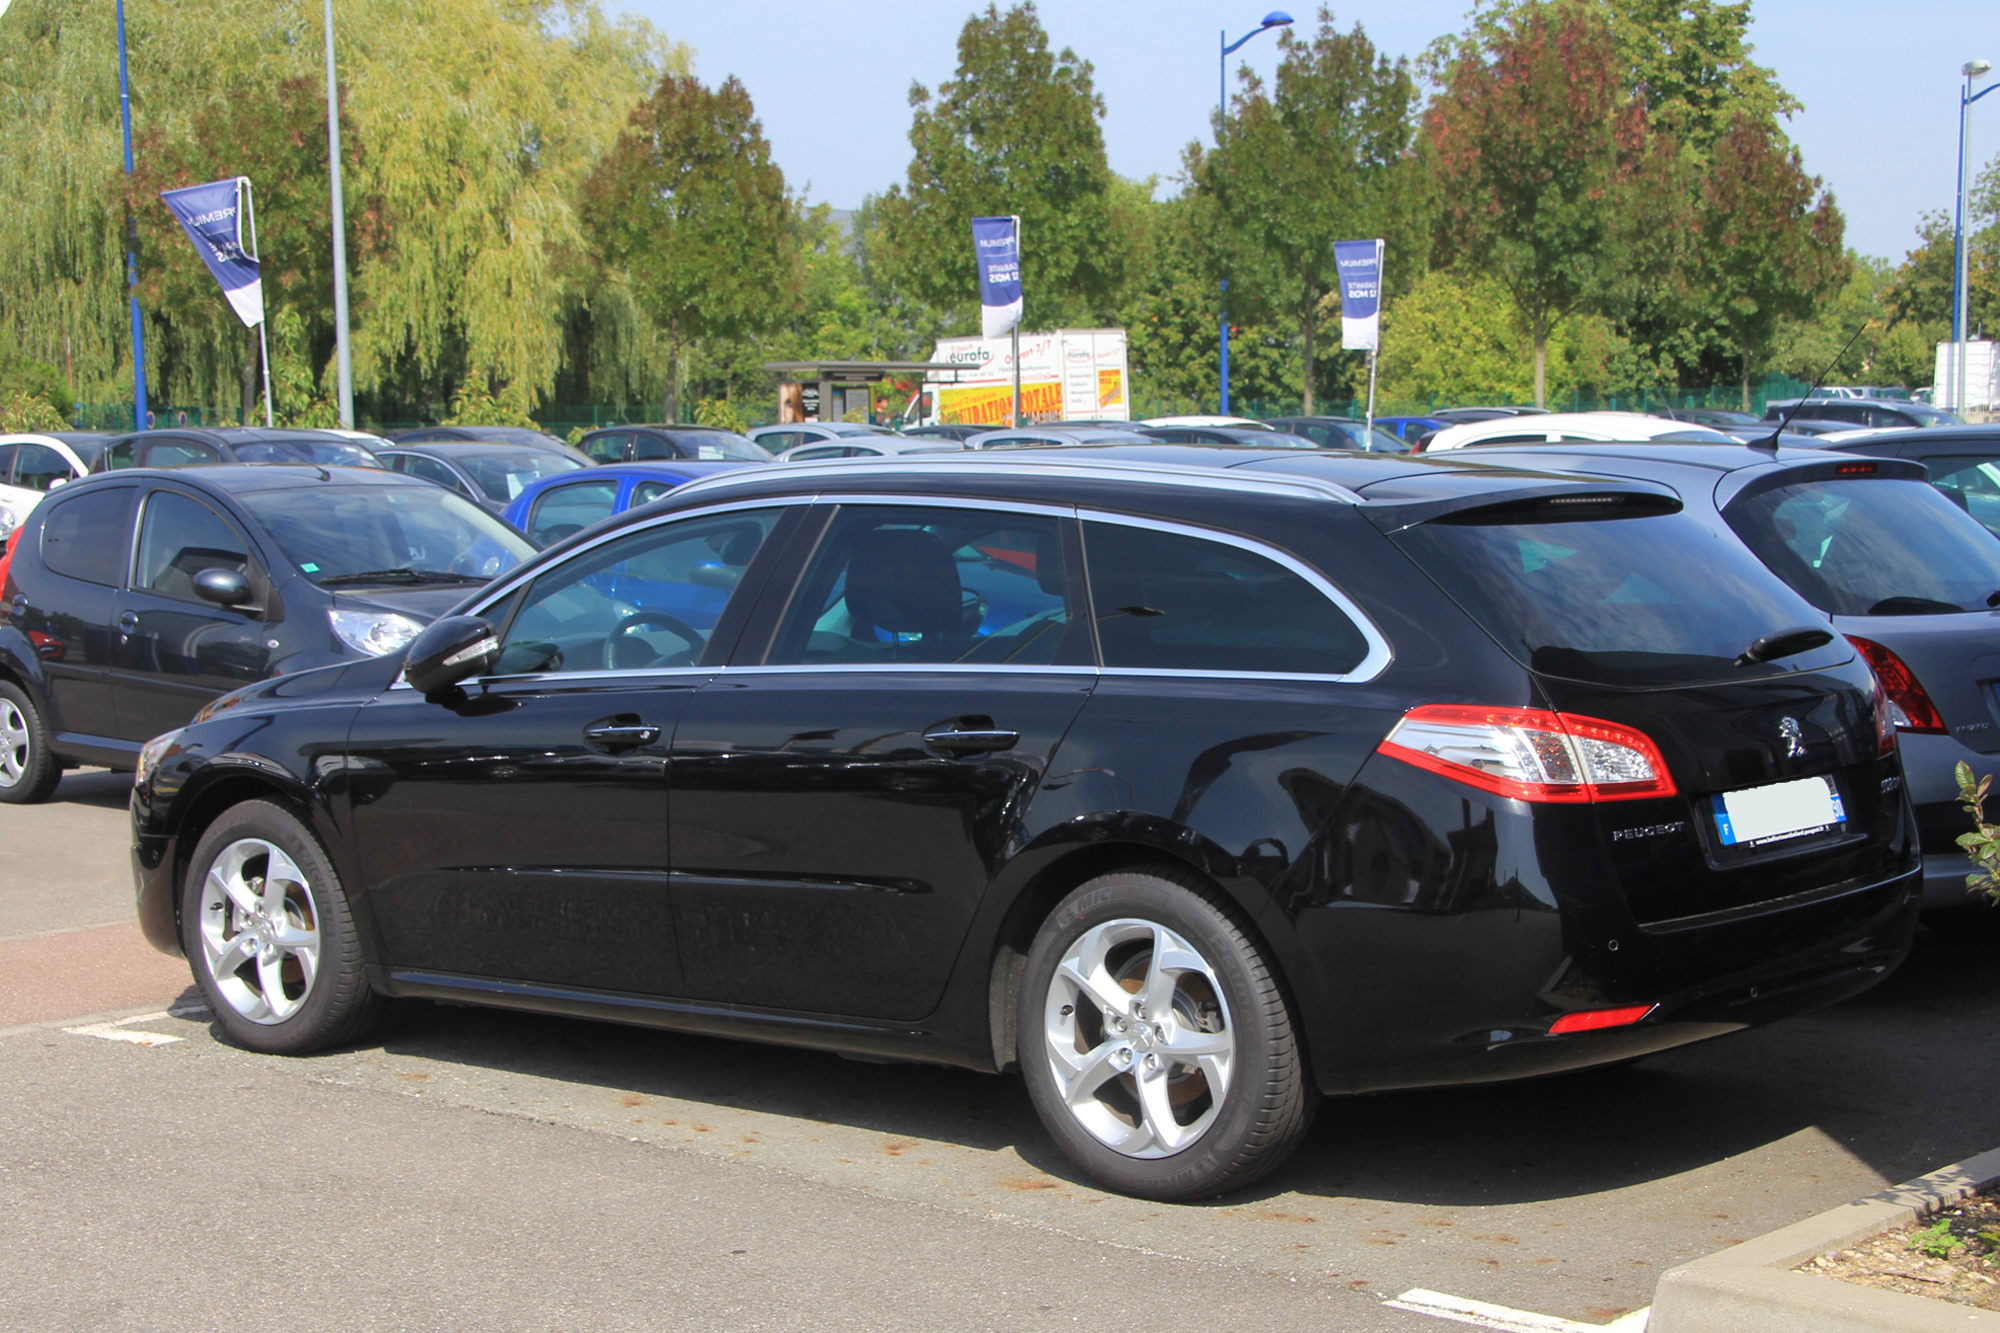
1750 1288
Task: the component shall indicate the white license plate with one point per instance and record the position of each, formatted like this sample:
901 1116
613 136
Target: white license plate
1782 810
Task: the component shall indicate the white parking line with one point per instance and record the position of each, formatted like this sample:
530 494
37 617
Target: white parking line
1460 1310
115 1031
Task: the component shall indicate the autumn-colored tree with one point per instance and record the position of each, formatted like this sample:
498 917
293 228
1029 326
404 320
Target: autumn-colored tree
1766 245
1015 132
689 215
1325 157
1536 145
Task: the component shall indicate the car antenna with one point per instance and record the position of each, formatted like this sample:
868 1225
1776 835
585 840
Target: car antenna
1772 442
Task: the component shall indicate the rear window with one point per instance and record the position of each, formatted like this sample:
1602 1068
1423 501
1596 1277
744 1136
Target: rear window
1872 548
1646 601
87 536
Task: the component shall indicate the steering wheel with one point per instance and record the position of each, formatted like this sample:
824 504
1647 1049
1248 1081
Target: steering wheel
678 628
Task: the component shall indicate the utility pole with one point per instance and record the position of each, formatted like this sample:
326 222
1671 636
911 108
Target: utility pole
344 365
131 237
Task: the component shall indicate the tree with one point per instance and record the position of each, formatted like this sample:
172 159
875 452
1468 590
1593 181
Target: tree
690 215
1690 61
1536 144
1325 158
1767 242
1015 132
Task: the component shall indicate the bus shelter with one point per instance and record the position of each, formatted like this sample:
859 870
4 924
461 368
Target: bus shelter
837 390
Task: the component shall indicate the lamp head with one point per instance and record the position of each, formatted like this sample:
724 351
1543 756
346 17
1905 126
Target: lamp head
1278 18
1973 69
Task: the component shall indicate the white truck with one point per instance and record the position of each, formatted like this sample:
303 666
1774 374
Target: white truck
1067 375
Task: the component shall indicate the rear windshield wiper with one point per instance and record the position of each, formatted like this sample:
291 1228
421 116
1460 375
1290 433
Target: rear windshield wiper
407 576
1785 643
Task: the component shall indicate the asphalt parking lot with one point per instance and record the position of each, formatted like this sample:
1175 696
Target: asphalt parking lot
480 1169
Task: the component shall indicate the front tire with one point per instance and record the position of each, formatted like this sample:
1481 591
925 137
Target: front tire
1156 1043
267 931
28 771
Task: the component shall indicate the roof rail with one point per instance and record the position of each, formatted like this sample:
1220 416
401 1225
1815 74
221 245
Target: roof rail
1202 476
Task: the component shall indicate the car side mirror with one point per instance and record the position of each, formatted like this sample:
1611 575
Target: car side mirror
448 651
224 587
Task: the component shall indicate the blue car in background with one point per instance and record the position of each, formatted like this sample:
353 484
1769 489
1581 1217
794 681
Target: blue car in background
556 507
1412 431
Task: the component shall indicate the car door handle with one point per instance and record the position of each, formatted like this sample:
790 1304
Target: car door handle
128 621
620 733
956 740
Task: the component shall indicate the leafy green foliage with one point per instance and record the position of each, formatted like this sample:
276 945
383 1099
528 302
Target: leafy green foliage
1982 845
1935 1241
1014 132
691 217
1324 157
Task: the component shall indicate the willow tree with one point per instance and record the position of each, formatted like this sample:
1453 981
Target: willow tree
690 217
469 126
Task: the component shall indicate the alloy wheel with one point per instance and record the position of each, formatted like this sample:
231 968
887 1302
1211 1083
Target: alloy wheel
14 743
1138 1036
259 931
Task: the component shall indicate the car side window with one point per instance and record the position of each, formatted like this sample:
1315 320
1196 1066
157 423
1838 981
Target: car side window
88 536
118 456
38 467
910 584
648 491
651 448
7 452
648 600
821 452
178 453
430 470
606 448
178 539
781 440
1170 601
562 510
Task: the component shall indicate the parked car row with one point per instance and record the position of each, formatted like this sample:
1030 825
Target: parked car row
1140 760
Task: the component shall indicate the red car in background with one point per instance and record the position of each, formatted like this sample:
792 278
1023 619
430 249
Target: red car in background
7 556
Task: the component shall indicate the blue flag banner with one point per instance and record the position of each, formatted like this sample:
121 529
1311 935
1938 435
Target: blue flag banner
996 244
216 218
1360 265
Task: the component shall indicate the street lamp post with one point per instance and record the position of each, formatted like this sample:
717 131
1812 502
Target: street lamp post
1277 18
1972 69
131 258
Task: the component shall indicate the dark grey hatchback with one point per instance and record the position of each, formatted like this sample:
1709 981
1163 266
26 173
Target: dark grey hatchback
1194 783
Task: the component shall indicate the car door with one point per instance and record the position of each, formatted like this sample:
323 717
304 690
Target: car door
562 511
843 797
175 651
38 469
430 469
519 829
608 448
66 602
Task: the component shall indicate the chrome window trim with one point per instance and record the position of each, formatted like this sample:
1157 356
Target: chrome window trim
1379 656
905 668
1036 508
1287 485
564 677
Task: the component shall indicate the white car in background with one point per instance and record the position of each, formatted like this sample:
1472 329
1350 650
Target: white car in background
1198 420
868 446
33 465
1556 427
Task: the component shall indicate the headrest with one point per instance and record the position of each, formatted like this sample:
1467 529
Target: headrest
904 581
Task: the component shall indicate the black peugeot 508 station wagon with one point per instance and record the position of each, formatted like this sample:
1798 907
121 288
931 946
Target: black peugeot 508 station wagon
1194 783
136 597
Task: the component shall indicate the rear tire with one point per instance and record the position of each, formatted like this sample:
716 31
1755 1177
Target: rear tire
28 772
1156 1042
268 934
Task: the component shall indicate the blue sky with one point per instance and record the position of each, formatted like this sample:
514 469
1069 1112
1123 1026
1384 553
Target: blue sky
1879 83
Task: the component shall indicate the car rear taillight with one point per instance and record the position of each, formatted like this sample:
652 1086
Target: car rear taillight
1885 723
1590 1020
1531 754
1910 709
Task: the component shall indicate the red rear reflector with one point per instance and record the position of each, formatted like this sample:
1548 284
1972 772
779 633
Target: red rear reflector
1531 754
1856 470
1589 1020
1909 707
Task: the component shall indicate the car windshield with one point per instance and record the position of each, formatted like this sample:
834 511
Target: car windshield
504 476
326 453
387 535
720 445
1926 417
1644 601
1872 548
